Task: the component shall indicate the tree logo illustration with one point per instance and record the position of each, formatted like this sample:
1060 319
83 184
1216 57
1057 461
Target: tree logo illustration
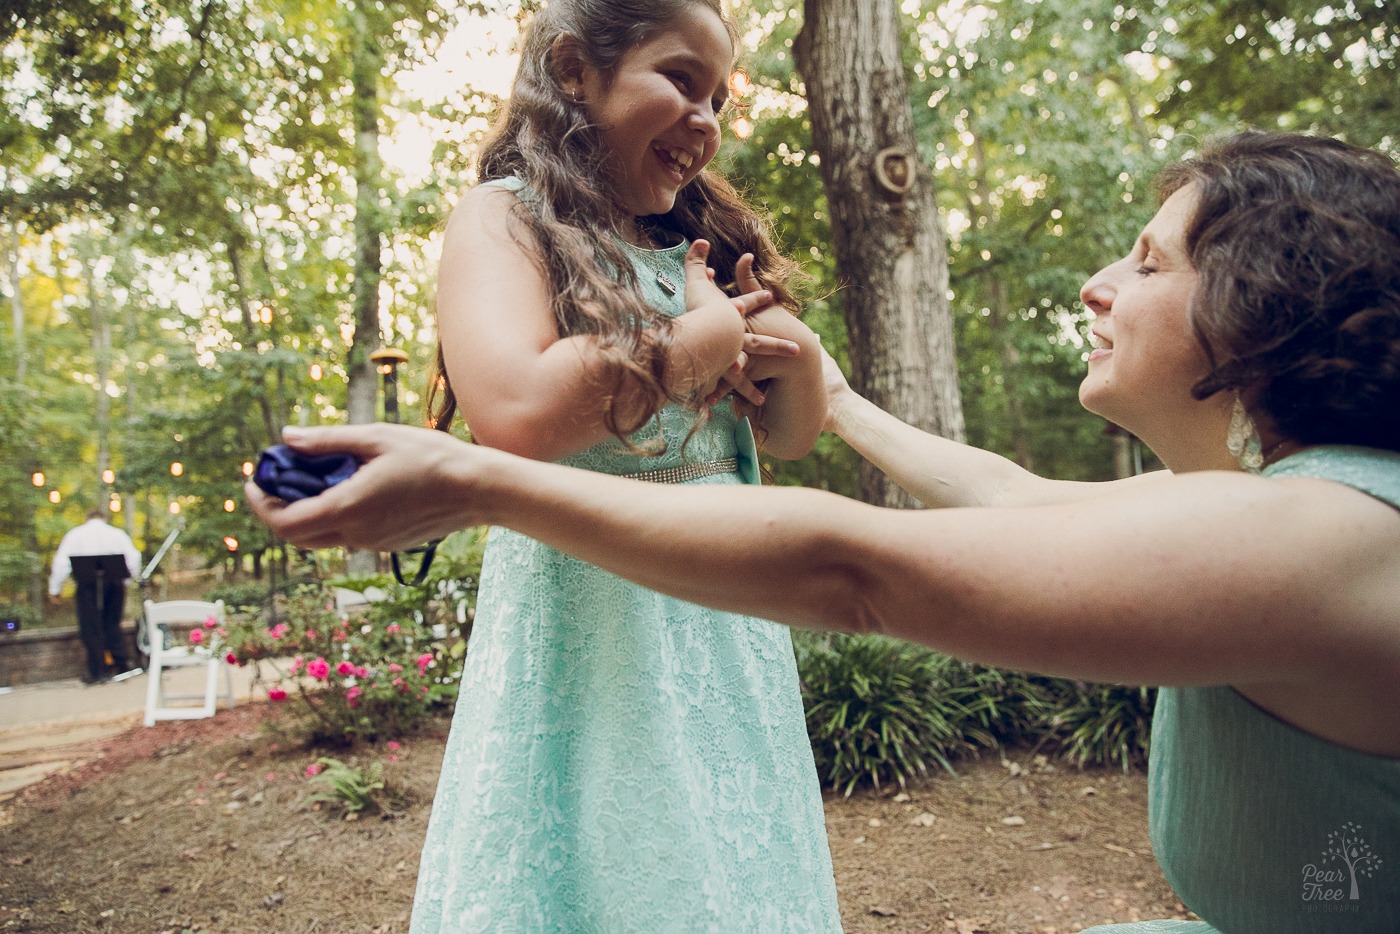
1348 847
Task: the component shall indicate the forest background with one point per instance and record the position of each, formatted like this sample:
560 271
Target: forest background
213 213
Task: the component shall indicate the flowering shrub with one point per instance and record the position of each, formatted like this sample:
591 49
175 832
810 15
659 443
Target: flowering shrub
372 672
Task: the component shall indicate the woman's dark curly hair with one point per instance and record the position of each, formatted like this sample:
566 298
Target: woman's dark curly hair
546 139
1297 243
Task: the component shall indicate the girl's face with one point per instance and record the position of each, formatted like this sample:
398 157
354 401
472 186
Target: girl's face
1146 357
657 110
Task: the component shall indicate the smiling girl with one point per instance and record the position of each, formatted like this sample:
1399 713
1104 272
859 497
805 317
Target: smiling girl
620 760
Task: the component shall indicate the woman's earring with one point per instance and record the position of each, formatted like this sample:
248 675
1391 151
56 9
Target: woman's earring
1243 440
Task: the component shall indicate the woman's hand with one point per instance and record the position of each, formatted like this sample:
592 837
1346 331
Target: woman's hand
413 485
837 389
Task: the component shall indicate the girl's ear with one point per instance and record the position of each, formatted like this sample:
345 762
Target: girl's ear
567 65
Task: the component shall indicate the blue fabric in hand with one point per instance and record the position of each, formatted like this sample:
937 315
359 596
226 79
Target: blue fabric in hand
291 475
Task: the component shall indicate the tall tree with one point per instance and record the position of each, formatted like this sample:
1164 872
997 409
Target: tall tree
890 247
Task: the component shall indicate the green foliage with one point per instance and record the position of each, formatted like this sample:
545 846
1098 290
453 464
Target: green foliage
881 710
17 568
356 789
239 595
1104 724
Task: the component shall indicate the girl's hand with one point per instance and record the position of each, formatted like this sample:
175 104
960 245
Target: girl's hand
702 295
737 378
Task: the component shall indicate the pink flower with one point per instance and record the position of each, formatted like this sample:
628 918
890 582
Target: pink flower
424 661
344 668
393 758
311 634
340 636
392 628
270 777
353 692
196 636
211 622
394 744
231 658
312 769
276 695
395 667
297 663
361 671
318 669
278 631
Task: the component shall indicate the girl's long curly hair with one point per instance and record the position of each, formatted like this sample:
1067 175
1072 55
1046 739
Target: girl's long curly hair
571 218
1297 243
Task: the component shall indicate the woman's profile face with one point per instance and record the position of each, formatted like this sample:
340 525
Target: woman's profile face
1145 356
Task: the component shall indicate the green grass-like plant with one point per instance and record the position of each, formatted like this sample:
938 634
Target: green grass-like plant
356 789
881 710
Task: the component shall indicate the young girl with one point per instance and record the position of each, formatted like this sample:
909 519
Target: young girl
620 760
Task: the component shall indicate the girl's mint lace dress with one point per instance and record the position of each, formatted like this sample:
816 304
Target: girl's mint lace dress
621 761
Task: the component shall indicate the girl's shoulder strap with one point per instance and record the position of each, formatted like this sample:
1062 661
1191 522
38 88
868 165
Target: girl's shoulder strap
511 183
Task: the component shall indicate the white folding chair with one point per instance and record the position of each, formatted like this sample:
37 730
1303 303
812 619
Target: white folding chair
347 600
158 617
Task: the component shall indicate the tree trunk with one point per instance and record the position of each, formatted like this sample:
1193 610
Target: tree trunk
26 517
101 362
891 252
17 306
362 391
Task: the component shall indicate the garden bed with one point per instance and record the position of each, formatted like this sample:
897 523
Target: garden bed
206 825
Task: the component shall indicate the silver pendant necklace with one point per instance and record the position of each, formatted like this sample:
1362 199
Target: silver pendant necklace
668 285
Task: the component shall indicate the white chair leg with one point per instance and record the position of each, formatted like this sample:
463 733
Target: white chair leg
153 671
228 682
211 686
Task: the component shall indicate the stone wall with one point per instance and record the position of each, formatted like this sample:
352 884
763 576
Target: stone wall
54 654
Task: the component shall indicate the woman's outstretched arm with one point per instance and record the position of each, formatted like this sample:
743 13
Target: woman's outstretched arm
1205 578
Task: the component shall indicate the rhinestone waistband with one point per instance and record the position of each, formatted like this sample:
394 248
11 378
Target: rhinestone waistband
687 471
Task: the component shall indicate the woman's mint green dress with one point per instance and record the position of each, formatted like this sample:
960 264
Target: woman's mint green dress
621 761
1260 827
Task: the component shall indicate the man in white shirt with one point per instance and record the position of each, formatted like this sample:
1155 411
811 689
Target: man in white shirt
100 557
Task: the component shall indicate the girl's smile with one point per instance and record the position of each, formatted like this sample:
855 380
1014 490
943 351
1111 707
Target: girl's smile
657 111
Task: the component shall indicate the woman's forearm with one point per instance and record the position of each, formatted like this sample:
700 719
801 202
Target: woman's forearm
937 471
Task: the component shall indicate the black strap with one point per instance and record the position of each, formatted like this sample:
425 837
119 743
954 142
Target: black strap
427 551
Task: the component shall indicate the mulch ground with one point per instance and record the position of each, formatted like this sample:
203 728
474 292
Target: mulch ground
206 825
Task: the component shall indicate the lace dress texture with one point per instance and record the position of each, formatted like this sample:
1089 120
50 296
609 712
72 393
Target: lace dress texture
621 761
